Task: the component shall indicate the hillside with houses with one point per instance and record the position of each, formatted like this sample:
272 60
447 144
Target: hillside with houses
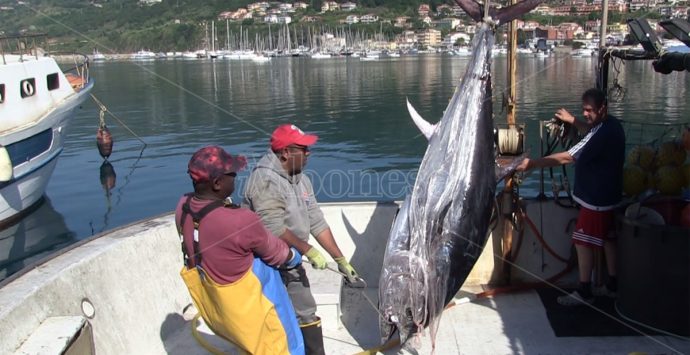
182 25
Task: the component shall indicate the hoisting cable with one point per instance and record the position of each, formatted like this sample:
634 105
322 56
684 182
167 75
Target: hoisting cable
105 109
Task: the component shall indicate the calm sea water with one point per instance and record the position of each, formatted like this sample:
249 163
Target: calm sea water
368 149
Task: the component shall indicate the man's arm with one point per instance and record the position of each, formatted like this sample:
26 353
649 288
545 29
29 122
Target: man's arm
555 159
565 116
271 250
267 201
327 241
292 240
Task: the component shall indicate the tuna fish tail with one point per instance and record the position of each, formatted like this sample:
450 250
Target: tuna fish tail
500 16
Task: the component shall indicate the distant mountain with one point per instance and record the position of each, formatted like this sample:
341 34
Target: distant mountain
130 25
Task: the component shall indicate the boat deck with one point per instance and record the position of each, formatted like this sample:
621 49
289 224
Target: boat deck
514 323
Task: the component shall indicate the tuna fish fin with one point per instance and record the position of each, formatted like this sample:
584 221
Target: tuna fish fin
512 12
507 14
424 126
506 165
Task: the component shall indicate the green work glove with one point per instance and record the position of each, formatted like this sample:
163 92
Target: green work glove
316 259
344 266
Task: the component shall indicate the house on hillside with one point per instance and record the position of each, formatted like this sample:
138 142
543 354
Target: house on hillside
571 26
330 6
444 10
453 37
553 33
258 6
527 25
351 19
406 40
423 10
543 10
429 37
310 19
369 18
447 23
301 5
401 22
271 18
149 2
348 6
286 7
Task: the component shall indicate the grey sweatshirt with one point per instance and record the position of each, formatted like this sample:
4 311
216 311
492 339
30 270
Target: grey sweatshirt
283 201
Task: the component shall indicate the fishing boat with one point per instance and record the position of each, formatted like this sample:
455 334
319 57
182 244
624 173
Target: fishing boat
143 55
125 294
120 293
97 56
37 100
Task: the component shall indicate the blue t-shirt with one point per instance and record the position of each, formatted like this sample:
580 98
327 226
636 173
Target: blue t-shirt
599 159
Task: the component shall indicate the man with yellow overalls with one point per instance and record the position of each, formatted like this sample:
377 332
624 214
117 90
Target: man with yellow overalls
230 261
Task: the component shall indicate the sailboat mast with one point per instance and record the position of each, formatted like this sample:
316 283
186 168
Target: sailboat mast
603 62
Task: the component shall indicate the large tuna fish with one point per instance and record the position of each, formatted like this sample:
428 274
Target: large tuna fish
443 225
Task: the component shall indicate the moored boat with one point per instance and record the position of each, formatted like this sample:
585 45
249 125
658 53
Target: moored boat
37 100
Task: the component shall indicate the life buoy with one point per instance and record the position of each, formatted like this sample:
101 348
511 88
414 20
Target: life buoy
27 88
6 170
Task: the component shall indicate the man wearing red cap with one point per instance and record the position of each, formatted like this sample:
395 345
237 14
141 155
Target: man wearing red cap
284 199
244 301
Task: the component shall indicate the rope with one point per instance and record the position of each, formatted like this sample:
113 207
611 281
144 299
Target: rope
540 238
105 109
204 344
509 141
660 331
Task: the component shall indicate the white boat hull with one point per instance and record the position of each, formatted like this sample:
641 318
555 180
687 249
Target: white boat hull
32 129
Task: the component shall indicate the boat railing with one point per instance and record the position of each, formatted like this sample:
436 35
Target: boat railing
24 45
34 45
78 74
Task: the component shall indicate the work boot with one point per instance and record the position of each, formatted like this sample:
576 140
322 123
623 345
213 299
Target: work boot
313 338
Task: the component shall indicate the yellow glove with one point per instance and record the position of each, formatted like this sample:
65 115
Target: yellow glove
316 259
347 269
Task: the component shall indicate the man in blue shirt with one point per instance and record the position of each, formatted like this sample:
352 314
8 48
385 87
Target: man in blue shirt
599 159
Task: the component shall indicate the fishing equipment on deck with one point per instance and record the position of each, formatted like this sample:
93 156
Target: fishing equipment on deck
510 139
253 313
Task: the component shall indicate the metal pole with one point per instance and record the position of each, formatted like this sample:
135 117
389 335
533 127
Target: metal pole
507 205
604 23
603 64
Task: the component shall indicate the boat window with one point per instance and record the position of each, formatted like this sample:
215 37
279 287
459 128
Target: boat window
29 148
27 87
53 81
2 93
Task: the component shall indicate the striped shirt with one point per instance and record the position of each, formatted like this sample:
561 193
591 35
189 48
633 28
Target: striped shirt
599 159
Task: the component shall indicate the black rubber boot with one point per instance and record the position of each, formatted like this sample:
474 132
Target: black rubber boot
313 338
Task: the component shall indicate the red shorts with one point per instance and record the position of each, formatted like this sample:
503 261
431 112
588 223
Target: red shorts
593 227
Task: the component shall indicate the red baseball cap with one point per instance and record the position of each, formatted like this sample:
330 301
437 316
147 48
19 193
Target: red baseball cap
213 161
288 134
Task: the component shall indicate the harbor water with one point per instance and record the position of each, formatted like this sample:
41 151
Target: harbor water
368 147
